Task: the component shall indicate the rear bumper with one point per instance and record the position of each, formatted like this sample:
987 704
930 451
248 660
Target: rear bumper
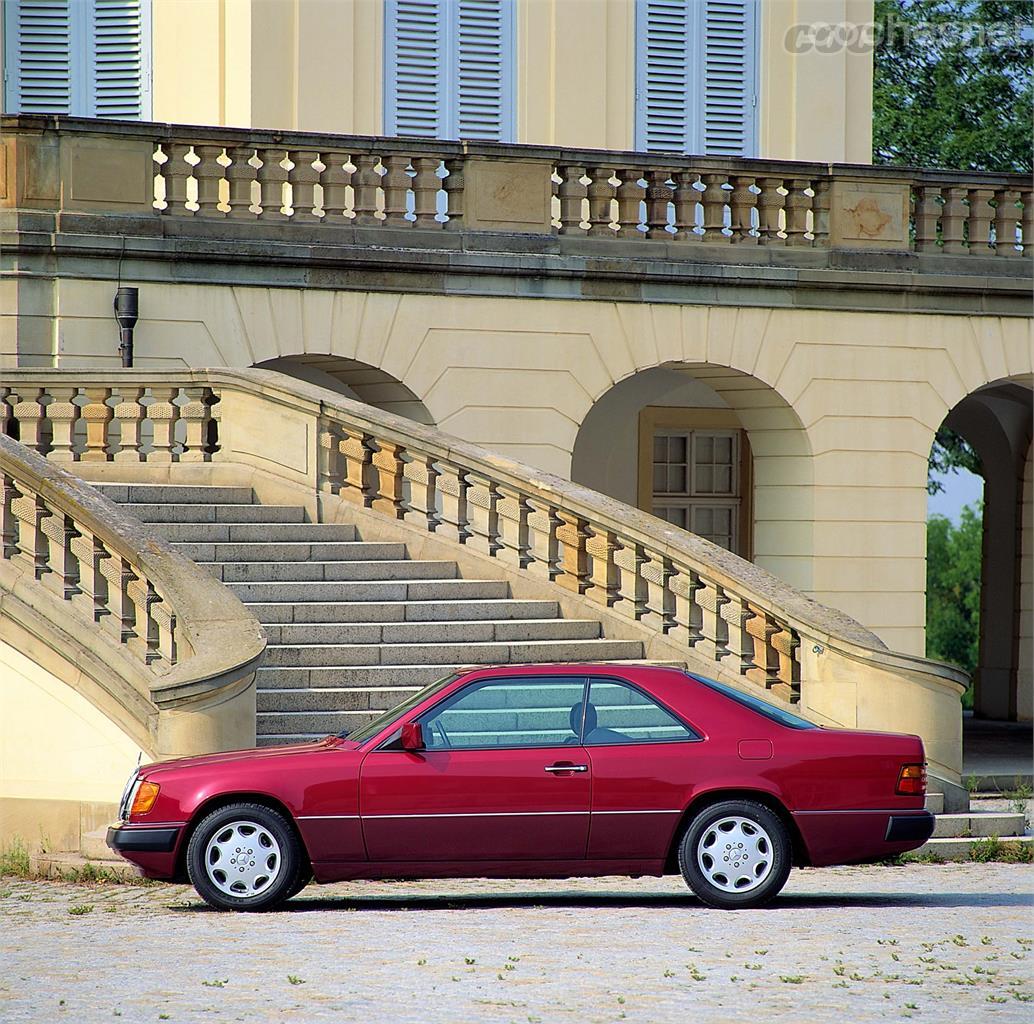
152 848
855 836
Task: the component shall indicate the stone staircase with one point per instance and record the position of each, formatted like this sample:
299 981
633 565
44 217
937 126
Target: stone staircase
353 626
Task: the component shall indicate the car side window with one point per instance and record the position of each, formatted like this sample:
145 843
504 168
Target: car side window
618 713
533 711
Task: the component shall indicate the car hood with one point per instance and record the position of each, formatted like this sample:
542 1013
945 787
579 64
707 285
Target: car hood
249 753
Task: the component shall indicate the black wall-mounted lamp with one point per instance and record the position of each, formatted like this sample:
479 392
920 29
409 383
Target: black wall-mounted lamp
127 310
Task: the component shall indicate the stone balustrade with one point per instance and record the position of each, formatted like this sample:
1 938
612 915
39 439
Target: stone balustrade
156 639
202 174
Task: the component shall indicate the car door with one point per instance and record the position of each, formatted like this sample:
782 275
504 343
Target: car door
641 758
502 778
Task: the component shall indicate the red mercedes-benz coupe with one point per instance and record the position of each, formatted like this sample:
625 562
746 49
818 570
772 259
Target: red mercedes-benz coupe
535 771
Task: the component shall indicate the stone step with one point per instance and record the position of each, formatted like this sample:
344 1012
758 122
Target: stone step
955 849
173 513
393 590
462 631
294 551
276 723
246 533
521 653
935 803
290 738
270 613
337 698
205 494
343 571
978 824
384 677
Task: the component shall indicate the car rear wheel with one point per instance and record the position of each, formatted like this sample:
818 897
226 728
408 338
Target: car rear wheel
244 857
735 854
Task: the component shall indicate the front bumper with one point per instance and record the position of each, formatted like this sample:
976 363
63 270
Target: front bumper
136 839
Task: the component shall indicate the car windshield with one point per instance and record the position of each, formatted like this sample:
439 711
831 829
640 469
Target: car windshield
762 707
382 721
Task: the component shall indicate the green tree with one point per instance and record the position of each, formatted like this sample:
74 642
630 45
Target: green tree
952 84
949 453
953 563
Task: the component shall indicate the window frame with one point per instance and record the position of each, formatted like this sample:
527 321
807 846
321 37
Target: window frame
695 735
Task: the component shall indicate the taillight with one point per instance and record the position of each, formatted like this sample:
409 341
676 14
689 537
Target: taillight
912 780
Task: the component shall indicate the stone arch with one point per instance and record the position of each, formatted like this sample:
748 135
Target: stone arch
354 379
608 451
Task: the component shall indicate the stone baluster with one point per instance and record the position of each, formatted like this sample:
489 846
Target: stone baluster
798 203
30 510
452 489
129 411
241 175
196 414
93 587
765 669
953 220
165 622
736 614
820 213
1007 215
356 450
335 179
687 197
514 534
272 176
687 629
1027 221
138 595
421 475
770 203
981 214
366 181
632 590
601 194
210 175
630 196
162 414
742 202
63 577
177 173
6 419
62 414
328 458
543 523
426 186
303 178
145 600
714 198
927 214
659 195
387 464
574 559
711 599
482 514
396 183
28 414
571 193
9 493
604 574
660 601
97 415
786 644
453 185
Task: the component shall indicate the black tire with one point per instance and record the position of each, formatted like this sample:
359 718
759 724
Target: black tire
760 839
258 838
303 879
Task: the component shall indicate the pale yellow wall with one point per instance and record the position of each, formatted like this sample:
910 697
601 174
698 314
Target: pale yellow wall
318 65
54 744
841 407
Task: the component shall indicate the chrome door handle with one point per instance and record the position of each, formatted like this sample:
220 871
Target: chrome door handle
566 768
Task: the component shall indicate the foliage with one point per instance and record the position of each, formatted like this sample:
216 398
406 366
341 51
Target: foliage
950 453
952 84
953 563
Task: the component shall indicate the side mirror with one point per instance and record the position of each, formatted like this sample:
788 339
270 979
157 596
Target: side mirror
412 736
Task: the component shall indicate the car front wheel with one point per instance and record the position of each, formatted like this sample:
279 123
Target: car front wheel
735 854
244 857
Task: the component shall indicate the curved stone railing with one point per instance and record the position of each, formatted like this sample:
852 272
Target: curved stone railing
688 598
169 653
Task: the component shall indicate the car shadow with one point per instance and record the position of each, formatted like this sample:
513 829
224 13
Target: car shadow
305 903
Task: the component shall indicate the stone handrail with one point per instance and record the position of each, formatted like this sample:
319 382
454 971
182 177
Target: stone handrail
184 172
172 641
705 603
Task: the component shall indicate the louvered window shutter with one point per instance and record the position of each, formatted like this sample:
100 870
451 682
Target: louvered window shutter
87 58
696 74
449 69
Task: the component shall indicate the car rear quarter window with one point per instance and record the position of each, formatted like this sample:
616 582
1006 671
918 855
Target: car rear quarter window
756 704
618 713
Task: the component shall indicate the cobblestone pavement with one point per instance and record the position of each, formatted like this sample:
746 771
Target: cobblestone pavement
936 943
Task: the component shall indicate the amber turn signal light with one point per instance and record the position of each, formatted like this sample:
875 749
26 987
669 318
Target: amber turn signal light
144 798
912 780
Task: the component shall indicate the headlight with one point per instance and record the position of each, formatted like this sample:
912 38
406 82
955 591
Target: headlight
127 793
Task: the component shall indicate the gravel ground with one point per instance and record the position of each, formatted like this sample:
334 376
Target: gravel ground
945 943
